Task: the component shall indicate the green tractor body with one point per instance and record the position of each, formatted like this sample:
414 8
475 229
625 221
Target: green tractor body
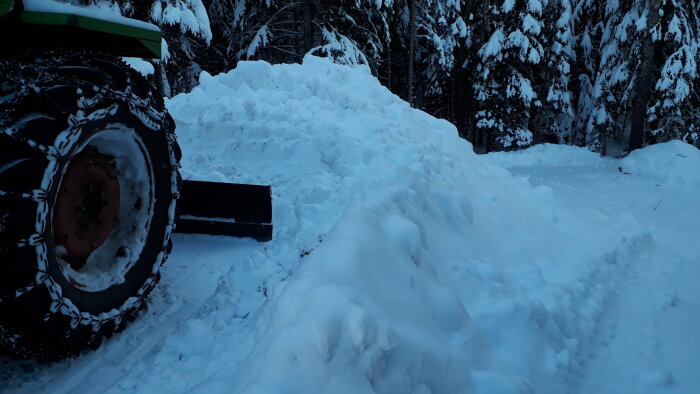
5 7
90 190
69 26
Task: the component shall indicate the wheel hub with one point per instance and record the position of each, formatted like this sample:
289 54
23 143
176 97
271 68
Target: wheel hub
87 206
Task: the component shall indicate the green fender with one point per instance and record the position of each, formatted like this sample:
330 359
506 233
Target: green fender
34 29
6 7
150 39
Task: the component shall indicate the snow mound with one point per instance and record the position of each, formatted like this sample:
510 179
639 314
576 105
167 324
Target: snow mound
401 261
674 163
546 155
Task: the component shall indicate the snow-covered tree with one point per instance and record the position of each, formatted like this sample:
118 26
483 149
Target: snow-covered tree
616 75
553 111
588 22
354 31
257 29
646 81
674 108
189 16
350 32
446 33
607 74
187 32
504 90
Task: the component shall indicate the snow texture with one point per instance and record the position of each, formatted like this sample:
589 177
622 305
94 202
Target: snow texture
672 163
190 15
547 155
340 49
404 263
144 67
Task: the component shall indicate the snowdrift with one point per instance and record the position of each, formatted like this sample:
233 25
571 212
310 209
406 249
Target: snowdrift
548 155
673 163
402 262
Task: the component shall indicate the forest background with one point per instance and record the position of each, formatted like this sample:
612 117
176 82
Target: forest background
611 75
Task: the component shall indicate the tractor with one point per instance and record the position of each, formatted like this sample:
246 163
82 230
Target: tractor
90 189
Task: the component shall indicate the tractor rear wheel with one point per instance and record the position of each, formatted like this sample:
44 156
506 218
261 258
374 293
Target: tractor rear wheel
88 184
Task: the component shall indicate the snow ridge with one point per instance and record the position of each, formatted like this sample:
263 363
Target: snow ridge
427 277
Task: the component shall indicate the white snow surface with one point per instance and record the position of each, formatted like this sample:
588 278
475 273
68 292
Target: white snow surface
189 15
671 163
102 11
144 67
547 155
402 262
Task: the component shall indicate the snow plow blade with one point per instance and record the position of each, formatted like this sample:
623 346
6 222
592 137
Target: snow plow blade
231 209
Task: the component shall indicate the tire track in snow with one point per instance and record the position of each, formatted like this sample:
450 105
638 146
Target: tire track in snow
633 348
626 339
124 363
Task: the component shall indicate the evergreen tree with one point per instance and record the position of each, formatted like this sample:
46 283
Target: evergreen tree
644 77
504 88
187 33
674 111
647 75
588 22
354 32
615 79
612 75
258 29
446 42
553 110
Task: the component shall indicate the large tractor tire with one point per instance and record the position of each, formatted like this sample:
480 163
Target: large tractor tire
88 185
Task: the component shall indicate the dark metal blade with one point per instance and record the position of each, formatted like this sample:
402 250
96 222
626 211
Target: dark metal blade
259 232
231 209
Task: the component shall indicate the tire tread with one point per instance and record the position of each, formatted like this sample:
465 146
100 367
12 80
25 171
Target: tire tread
42 101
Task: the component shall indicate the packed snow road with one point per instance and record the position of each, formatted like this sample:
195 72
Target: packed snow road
646 340
404 263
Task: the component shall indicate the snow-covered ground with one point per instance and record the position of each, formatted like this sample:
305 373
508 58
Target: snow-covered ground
404 263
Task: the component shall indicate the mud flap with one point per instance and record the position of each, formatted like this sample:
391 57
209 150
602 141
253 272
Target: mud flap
231 209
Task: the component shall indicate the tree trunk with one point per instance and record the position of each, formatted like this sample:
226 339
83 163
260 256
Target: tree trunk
645 80
411 51
459 98
308 26
388 65
161 79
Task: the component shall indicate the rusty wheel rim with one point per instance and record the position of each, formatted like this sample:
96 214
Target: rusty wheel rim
87 206
102 209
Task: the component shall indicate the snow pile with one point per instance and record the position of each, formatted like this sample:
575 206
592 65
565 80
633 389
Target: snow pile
402 262
673 163
546 155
